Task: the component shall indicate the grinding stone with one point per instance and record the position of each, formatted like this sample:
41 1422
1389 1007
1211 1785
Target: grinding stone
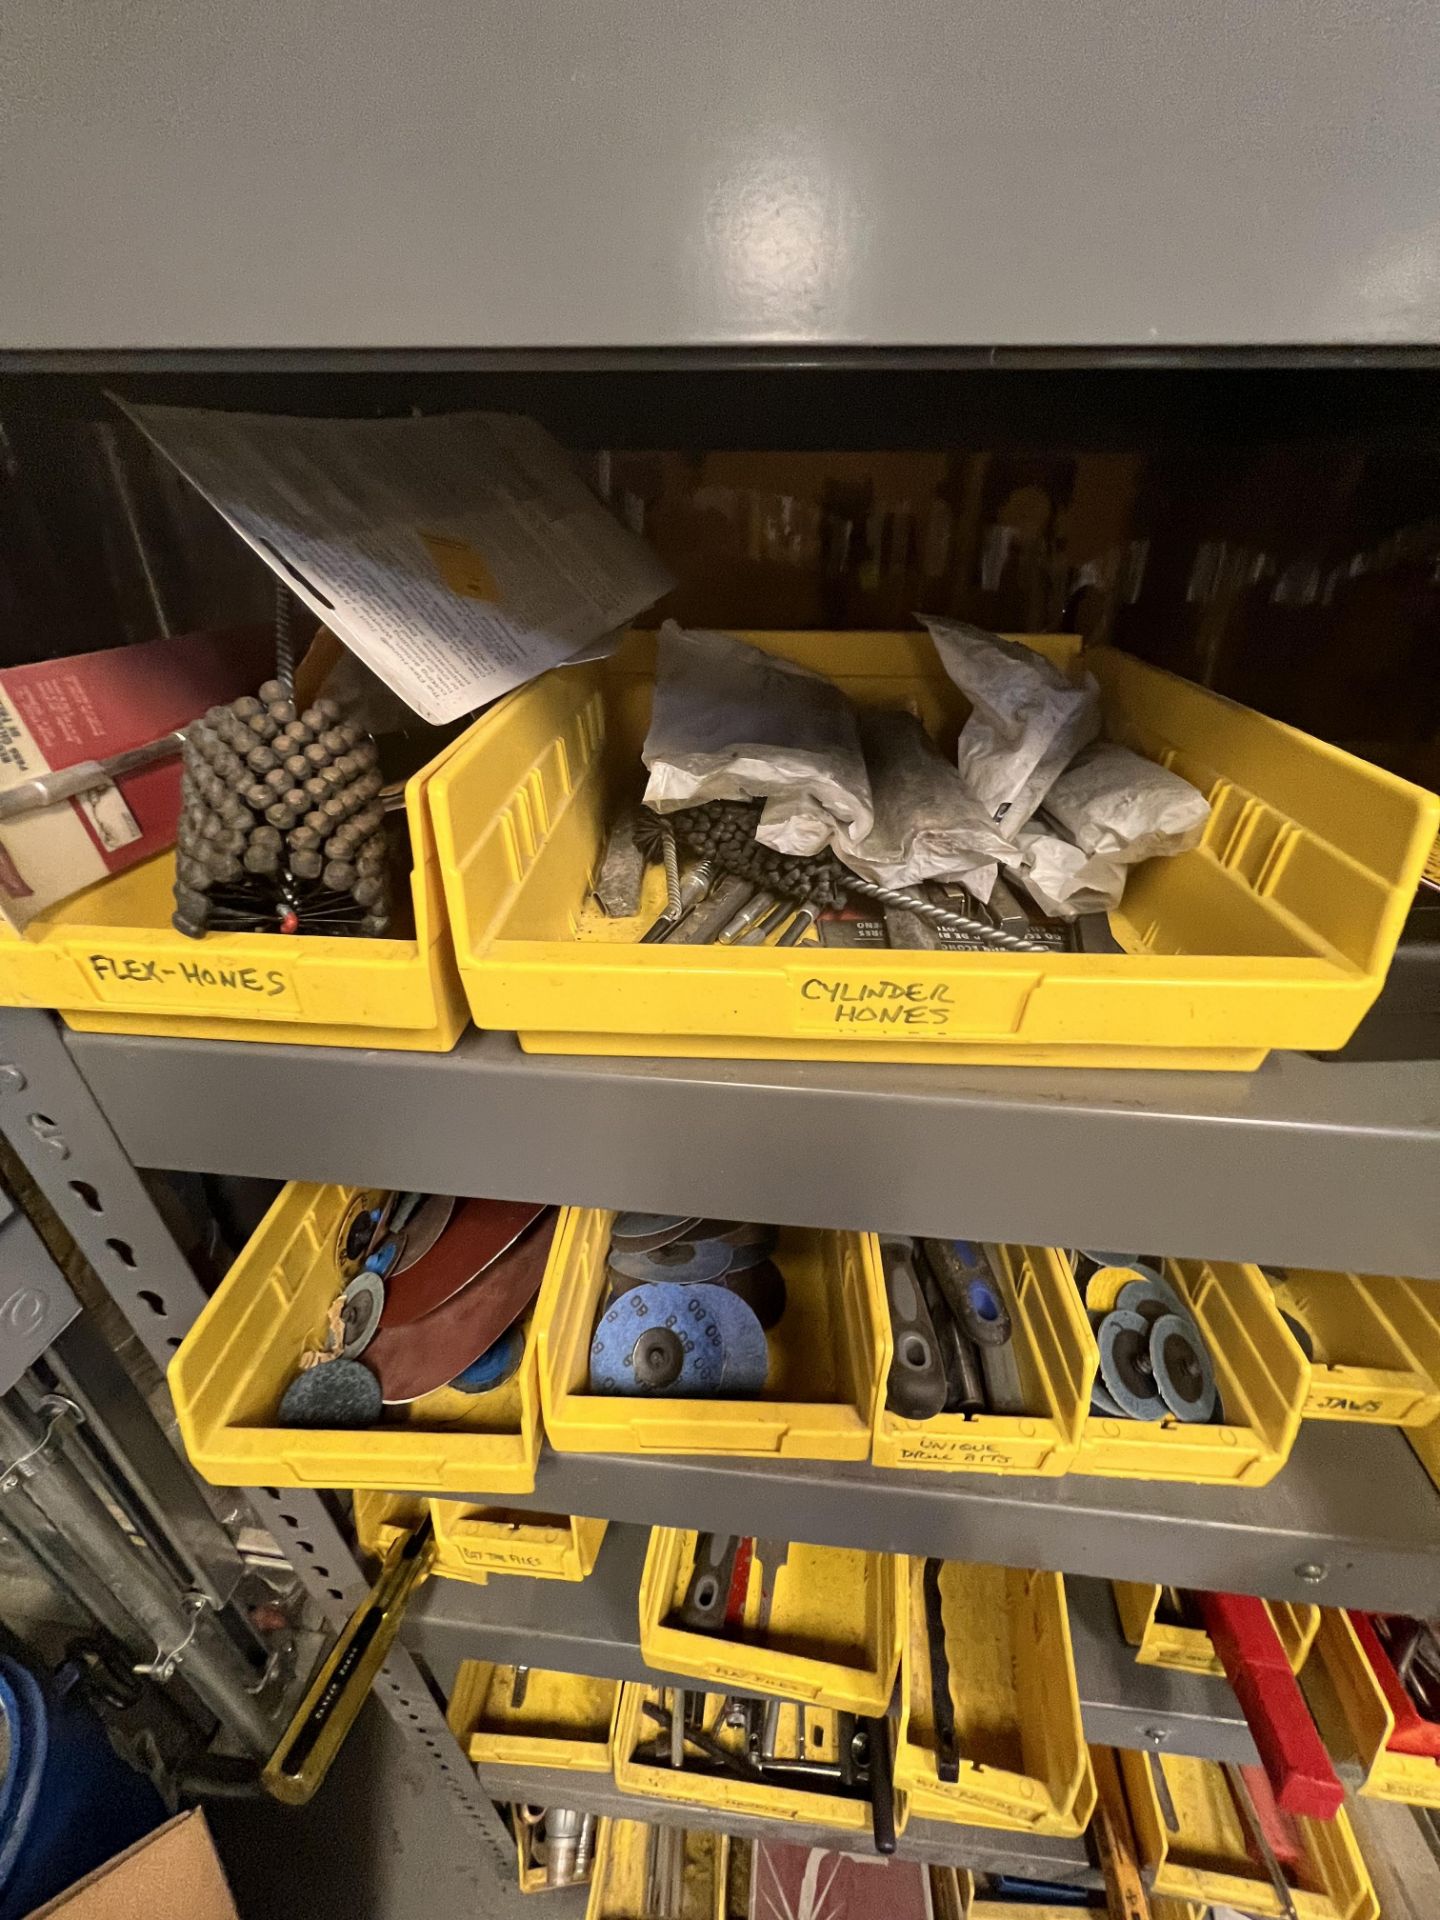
1182 1367
681 1260
339 1393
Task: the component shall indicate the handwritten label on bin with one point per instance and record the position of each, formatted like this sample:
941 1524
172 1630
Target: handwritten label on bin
894 1004
172 984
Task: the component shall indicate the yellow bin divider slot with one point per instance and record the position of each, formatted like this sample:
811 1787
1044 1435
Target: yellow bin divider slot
232 1368
1263 1379
835 1626
1276 931
109 961
1210 1857
1377 1344
1159 1643
564 1720
787 1804
617 1881
1052 1345
474 1542
1425 1441
381 1518
1024 1763
824 1375
1356 1721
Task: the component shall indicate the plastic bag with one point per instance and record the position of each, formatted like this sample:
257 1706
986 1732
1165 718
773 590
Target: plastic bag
1118 804
732 723
1027 719
1061 878
926 825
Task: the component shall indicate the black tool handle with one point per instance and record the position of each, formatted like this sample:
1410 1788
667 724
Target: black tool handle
916 1387
882 1786
942 1704
706 1597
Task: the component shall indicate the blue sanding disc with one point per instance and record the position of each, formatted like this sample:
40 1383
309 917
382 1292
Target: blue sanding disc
746 1356
674 1308
495 1366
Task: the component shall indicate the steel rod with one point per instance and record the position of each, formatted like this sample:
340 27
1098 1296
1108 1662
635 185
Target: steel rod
209 1662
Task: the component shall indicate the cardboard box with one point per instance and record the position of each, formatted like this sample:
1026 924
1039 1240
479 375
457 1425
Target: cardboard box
59 713
172 1874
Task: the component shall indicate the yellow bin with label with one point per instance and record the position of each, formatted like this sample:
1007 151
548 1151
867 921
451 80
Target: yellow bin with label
1210 1857
617 1883
1024 1763
109 961
1356 1720
1263 1378
730 1794
473 1542
1053 1351
1159 1643
834 1634
563 1719
819 1396
1276 932
235 1363
1377 1344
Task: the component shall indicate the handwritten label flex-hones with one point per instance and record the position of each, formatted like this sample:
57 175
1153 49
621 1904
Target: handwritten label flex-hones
182 985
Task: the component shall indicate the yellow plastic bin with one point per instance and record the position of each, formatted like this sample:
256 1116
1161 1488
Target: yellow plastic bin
1377 1344
564 1720
825 1374
797 1805
1024 1762
1263 1379
1159 1643
530 1868
1356 1721
1054 1351
835 1625
474 1542
110 962
1276 932
617 1884
234 1365
1210 1857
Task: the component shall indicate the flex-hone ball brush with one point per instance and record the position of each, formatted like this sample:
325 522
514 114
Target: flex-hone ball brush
282 824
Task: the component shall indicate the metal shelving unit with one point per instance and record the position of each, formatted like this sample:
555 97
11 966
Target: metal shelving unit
52 1121
1351 1520
941 1842
1351 1152
593 1627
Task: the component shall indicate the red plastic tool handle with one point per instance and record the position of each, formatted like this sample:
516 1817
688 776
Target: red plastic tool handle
1413 1732
1291 1751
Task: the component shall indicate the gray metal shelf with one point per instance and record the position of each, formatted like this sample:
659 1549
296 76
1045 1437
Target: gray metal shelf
982 1849
593 1627
1304 1162
1352 1520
